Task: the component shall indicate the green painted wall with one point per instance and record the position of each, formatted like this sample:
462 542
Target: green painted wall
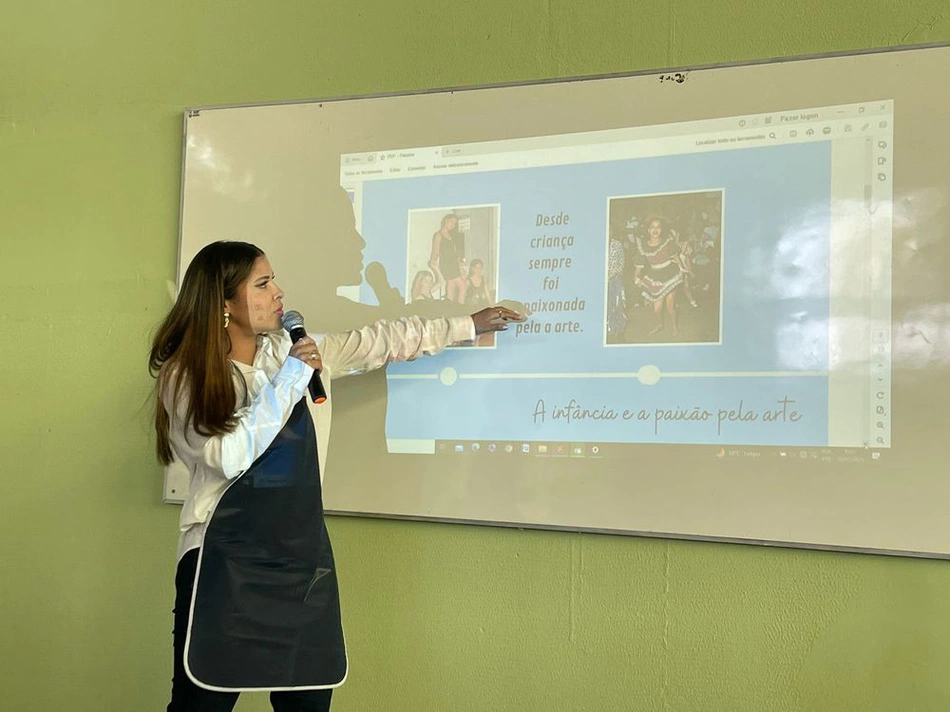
438 617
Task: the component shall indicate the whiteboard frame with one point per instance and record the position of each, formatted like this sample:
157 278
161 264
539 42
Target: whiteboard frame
171 482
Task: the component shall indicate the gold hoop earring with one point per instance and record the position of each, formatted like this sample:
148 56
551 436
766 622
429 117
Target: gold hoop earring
227 319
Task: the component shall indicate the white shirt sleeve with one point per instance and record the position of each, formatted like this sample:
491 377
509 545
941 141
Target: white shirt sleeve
385 342
258 423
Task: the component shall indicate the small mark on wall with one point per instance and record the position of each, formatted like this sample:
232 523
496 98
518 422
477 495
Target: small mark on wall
678 77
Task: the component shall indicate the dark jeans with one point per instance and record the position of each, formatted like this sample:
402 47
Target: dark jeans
187 696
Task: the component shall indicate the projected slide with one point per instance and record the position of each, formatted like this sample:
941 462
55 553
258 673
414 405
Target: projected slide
714 282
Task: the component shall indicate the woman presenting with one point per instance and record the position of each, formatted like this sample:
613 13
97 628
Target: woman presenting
257 605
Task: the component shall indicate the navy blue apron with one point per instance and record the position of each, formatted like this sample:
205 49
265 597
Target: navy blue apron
266 608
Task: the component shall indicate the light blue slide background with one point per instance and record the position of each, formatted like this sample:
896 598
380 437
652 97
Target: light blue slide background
776 221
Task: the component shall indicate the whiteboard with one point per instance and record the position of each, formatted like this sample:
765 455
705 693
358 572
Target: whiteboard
793 394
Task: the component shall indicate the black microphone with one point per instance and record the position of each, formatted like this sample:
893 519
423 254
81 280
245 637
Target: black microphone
292 321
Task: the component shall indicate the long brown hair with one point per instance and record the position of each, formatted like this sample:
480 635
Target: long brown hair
192 345
445 219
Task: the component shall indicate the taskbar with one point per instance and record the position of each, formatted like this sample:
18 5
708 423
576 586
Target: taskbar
633 450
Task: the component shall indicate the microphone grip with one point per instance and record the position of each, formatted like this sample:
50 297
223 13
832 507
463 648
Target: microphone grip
317 392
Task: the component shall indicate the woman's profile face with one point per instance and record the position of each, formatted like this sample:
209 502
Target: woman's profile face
451 223
426 282
258 305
